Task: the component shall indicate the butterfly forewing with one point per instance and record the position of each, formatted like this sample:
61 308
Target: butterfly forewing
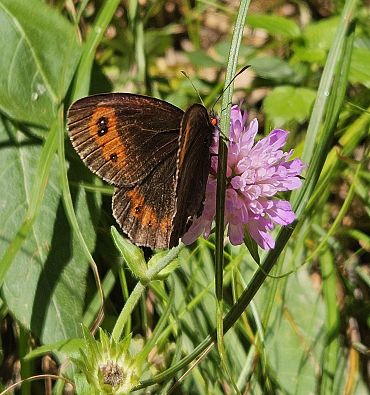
121 137
193 164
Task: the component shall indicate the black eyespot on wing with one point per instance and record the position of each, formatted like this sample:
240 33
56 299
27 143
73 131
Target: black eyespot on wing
140 130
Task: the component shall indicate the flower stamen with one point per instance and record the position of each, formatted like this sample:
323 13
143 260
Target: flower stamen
112 373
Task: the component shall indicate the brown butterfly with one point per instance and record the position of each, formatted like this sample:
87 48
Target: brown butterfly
155 155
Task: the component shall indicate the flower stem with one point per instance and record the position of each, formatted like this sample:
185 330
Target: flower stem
139 289
221 170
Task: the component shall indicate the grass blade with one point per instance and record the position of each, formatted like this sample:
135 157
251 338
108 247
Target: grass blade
221 172
83 75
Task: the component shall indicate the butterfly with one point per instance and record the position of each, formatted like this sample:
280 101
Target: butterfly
156 156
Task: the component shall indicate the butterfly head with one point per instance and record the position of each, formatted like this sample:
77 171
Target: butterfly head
213 118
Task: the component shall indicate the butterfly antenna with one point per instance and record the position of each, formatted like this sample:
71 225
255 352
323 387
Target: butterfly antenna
196 90
236 75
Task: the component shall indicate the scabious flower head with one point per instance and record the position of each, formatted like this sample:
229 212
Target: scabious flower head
107 365
256 172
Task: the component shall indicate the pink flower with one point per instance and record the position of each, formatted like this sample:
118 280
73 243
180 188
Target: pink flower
256 172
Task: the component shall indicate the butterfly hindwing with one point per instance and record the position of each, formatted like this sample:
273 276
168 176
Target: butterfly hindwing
121 137
145 212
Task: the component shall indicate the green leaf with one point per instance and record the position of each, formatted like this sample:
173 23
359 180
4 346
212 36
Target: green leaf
201 59
320 35
286 103
295 342
39 56
158 40
309 55
164 273
70 348
274 24
222 50
332 346
252 247
45 286
83 387
132 255
269 67
360 70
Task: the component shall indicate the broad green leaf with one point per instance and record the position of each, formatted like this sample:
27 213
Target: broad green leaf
45 286
286 103
295 340
39 55
274 24
269 67
296 337
320 35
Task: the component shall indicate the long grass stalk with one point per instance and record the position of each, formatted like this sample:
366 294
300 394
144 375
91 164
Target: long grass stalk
221 172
